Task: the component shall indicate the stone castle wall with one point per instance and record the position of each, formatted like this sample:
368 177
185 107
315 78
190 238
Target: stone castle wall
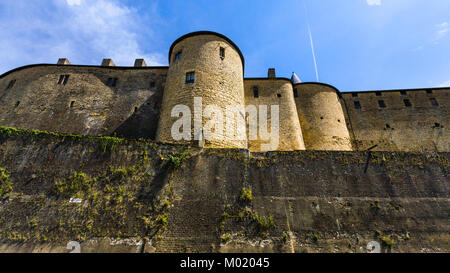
419 127
85 104
322 118
276 92
313 116
218 81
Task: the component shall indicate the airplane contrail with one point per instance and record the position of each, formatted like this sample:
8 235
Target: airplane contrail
311 41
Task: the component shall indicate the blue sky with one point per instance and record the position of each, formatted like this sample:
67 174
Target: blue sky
358 44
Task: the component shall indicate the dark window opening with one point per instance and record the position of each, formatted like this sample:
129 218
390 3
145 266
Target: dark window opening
222 52
339 120
72 103
178 56
354 95
66 78
437 125
255 92
17 103
11 84
357 105
111 82
135 109
403 93
279 95
152 84
429 91
295 93
407 103
388 126
321 117
378 94
434 102
190 77
63 79
381 104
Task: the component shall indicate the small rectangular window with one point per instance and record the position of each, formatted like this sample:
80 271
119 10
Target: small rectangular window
61 79
403 93
255 92
114 83
407 103
381 104
279 95
178 56
11 84
66 78
434 102
222 52
354 95
295 93
190 77
429 91
72 103
357 105
378 94
109 81
152 84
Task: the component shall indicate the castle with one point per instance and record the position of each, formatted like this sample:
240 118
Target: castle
136 102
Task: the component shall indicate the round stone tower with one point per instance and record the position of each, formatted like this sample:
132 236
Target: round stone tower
321 117
204 65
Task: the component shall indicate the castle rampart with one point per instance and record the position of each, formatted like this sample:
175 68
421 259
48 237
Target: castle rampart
136 102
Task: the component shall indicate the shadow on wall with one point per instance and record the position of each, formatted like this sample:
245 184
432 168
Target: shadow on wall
143 123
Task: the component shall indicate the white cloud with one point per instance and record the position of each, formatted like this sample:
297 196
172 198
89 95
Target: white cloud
445 84
73 2
441 30
373 2
82 31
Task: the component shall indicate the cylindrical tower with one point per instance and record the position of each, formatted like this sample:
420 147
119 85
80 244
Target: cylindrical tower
204 65
322 117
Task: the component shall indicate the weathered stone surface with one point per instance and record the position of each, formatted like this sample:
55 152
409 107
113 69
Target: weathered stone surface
181 199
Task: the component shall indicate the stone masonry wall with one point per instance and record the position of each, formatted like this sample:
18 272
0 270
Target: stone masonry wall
420 127
85 104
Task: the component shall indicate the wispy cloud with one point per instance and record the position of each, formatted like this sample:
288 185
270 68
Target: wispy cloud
441 31
83 31
445 84
373 2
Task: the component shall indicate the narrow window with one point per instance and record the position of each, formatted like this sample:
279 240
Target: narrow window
222 52
354 95
17 104
114 82
279 95
407 103
437 125
66 78
11 84
190 77
381 104
152 85
434 102
61 79
429 91
403 93
135 109
388 126
357 105
72 103
378 94
255 92
108 83
295 93
178 56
